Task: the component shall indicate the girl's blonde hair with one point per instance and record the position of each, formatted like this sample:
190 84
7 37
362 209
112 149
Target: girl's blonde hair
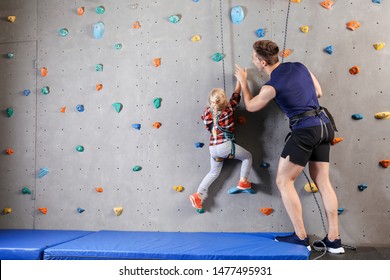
217 102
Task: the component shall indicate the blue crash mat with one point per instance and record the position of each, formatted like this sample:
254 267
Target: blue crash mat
116 245
26 244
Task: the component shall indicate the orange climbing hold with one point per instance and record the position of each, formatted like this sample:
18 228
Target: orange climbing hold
9 151
80 11
43 210
385 163
99 86
157 125
285 53
296 1
7 210
353 25
327 4
266 211
99 189
241 120
136 25
44 71
63 109
336 140
157 62
354 70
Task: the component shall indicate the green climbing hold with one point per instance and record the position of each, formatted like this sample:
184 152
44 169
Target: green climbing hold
175 18
200 211
45 90
63 32
100 10
26 190
137 168
118 46
10 55
218 57
118 106
157 102
99 67
80 148
10 112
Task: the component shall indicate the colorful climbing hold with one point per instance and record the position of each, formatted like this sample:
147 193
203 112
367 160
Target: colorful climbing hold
118 46
382 115
43 172
200 211
10 55
157 125
217 57
98 30
118 210
328 4
285 53
136 25
100 10
44 71
241 120
80 11
43 210
63 32
26 92
237 14
178 188
157 102
296 1
80 148
379 46
266 211
311 188
265 165
340 211
80 108
117 106
199 145
357 116
99 67
304 28
11 18
9 151
376 1
362 187
80 210
196 38
353 25
9 111
137 168
175 18
157 61
99 87
45 90
260 32
354 70
136 126
336 140
385 163
26 190
7 210
99 189
329 49
134 6
63 109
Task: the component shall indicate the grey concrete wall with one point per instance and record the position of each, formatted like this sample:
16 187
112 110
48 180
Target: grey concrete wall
42 136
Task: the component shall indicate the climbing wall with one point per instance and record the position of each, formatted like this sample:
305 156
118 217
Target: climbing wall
110 135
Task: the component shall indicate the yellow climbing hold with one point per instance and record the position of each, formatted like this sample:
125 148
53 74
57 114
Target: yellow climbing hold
7 211
379 46
178 188
304 28
11 18
118 210
196 38
382 115
312 188
296 1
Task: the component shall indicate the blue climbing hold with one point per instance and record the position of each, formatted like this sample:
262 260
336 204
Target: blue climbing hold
265 165
80 108
43 172
199 144
362 187
98 30
235 190
136 126
340 211
26 92
80 210
237 14
357 116
376 1
260 32
329 49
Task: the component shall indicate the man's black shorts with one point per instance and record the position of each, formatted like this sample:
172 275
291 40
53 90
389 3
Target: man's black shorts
307 144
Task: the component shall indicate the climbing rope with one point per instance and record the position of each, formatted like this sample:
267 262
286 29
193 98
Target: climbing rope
222 50
285 30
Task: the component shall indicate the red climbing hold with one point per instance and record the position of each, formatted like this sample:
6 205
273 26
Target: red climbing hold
266 211
385 163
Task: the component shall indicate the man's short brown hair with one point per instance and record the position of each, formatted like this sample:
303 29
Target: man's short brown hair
267 50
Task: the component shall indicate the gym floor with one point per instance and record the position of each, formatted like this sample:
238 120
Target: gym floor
360 253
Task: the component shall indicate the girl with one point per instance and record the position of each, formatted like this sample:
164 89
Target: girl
219 120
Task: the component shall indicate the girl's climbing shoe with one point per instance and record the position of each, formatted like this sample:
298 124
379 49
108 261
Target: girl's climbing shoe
196 201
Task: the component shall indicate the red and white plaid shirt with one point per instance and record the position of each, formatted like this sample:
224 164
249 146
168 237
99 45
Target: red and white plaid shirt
226 120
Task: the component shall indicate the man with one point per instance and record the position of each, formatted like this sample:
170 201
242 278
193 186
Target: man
296 90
